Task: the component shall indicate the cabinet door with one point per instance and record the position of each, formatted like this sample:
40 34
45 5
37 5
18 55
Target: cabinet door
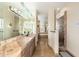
25 52
28 50
32 46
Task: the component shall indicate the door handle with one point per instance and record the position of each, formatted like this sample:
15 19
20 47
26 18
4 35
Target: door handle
52 31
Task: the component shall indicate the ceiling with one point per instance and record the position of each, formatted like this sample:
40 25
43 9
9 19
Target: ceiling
42 7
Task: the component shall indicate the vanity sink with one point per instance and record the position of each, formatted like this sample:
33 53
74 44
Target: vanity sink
2 43
12 48
1 51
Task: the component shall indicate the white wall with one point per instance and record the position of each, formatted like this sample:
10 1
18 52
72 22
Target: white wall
73 28
52 36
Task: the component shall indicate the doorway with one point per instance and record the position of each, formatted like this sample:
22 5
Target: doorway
61 33
62 21
42 26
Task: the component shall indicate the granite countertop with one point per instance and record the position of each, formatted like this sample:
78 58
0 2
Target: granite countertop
14 46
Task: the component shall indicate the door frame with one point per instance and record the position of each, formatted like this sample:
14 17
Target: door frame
65 30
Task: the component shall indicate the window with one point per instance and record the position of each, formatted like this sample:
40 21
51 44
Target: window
28 27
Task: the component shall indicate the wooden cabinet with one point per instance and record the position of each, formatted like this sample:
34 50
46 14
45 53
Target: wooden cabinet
28 50
25 51
32 46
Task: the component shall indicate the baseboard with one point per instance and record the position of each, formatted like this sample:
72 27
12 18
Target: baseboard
56 54
70 53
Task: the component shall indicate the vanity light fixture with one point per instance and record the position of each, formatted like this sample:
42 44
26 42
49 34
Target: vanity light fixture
10 25
15 10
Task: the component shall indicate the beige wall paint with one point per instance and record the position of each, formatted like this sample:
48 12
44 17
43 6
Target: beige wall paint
73 28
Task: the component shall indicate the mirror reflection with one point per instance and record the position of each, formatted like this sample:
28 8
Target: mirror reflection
14 21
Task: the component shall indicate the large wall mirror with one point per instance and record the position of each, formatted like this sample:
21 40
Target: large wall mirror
1 28
13 24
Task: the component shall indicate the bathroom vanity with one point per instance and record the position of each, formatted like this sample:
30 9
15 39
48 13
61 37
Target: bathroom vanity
19 46
29 48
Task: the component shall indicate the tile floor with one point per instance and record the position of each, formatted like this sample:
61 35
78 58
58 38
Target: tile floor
43 50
